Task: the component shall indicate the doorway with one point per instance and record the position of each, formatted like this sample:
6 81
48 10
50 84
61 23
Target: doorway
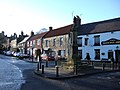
117 55
110 54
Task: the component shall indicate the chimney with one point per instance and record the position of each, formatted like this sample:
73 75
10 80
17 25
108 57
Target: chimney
50 28
32 33
3 33
77 21
22 33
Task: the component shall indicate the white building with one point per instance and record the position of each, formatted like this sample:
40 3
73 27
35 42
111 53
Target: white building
100 39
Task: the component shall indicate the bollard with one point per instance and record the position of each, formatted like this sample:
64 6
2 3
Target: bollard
75 70
103 66
42 69
37 66
47 63
117 66
57 71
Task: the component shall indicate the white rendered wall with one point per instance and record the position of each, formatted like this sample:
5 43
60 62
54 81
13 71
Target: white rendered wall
103 48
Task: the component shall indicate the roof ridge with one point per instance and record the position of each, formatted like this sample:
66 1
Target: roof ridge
102 21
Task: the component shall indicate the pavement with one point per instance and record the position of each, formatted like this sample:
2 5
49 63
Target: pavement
51 73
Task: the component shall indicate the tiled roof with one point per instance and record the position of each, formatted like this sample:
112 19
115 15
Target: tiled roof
37 36
100 27
59 31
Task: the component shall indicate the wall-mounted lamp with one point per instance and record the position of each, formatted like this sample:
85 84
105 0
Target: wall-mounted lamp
112 32
117 47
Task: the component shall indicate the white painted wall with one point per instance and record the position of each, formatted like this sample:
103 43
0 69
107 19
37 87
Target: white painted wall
103 48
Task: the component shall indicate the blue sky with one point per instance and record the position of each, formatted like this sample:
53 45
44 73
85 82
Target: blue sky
27 15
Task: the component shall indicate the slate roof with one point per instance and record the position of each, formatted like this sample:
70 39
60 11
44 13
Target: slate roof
24 40
59 31
89 28
37 36
100 27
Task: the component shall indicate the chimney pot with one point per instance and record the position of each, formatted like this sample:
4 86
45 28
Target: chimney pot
50 28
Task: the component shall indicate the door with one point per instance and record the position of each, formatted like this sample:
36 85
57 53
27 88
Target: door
110 54
117 55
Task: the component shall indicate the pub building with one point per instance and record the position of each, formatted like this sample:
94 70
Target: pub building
100 39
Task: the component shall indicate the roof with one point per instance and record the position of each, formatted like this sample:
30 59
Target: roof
37 36
100 27
59 31
24 40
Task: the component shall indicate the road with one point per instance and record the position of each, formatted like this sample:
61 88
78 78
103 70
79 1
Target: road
17 74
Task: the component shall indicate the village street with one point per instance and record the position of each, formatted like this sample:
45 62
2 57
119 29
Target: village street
17 74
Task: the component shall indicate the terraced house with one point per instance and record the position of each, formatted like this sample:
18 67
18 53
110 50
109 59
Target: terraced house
35 43
56 41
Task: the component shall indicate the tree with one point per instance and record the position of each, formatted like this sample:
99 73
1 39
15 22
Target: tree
3 40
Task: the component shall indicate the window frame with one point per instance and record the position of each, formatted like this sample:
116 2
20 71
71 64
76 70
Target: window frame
97 40
61 41
79 41
54 42
97 54
46 43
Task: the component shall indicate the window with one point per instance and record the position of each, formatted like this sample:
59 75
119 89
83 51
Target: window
97 53
86 41
79 41
38 42
61 53
80 54
46 43
54 41
97 40
30 43
110 54
61 41
71 37
33 42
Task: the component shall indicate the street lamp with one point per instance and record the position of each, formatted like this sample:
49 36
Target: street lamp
117 47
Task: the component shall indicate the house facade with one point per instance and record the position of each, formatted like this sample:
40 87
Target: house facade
23 45
14 41
35 43
100 39
56 41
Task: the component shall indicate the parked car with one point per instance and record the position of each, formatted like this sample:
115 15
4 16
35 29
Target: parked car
62 57
9 53
20 55
16 54
47 57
